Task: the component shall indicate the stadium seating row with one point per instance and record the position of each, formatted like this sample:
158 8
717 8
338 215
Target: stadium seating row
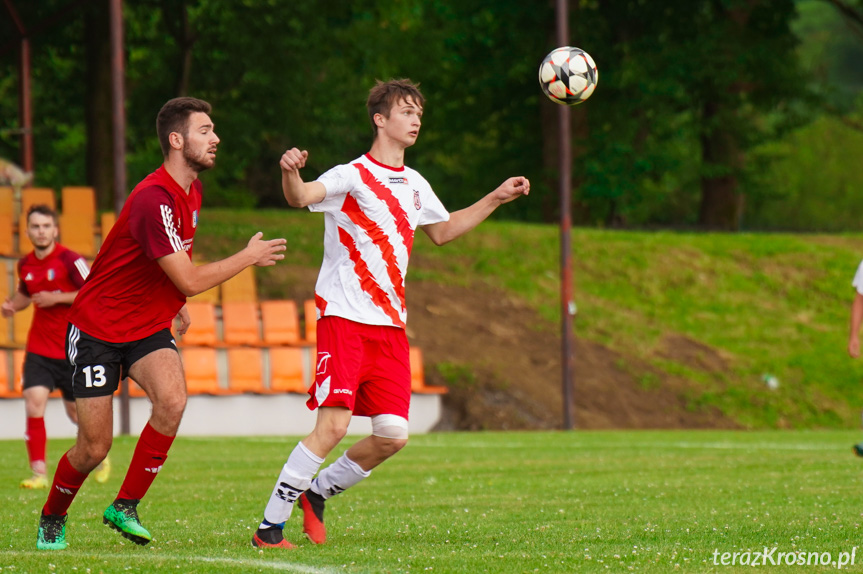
78 226
227 371
247 323
240 288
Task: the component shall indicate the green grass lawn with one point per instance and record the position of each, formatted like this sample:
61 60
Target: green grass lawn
478 502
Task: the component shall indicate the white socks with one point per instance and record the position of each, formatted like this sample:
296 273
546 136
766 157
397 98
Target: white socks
295 478
339 476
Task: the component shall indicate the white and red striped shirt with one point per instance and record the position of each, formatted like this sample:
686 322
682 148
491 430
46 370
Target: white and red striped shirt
372 211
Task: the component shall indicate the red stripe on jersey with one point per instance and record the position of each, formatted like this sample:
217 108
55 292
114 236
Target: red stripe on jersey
321 304
353 210
367 282
403 225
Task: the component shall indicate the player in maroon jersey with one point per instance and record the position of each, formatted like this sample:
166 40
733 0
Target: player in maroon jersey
120 323
49 277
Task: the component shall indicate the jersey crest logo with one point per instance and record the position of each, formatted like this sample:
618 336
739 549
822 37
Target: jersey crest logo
51 275
417 202
396 180
195 219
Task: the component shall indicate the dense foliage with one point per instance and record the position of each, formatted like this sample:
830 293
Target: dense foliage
698 111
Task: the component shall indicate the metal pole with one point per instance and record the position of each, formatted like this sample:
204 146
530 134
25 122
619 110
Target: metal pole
118 98
25 103
567 304
26 109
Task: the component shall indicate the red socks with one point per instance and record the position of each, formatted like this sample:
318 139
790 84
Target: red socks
35 439
150 454
66 483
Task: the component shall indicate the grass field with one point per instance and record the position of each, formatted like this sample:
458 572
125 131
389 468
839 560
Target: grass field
657 501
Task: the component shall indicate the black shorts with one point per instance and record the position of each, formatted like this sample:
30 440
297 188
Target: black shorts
41 371
97 364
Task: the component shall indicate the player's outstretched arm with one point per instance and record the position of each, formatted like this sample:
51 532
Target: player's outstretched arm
14 304
856 321
297 192
462 221
192 279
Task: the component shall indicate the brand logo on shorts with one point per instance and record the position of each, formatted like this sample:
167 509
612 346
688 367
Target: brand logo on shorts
396 180
323 362
342 392
417 203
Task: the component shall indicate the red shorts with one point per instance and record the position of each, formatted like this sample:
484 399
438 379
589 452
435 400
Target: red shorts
365 368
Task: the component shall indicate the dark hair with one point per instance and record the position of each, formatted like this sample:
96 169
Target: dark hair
174 117
385 94
41 209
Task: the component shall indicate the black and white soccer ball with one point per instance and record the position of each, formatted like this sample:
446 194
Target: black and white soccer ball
568 75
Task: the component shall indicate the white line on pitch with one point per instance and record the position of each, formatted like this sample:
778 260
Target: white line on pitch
162 557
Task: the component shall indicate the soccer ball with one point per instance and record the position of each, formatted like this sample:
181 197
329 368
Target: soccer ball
568 75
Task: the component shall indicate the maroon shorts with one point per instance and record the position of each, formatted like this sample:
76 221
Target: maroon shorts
365 368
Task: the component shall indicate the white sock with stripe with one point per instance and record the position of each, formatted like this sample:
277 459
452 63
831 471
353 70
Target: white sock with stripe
295 478
338 477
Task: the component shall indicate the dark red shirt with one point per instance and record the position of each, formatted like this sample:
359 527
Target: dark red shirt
127 296
62 271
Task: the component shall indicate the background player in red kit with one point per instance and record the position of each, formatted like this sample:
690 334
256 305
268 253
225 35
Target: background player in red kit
49 277
120 321
372 207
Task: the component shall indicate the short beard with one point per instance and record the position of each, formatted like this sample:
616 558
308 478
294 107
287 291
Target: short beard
196 164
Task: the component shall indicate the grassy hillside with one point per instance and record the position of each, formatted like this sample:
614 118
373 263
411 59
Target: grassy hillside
718 311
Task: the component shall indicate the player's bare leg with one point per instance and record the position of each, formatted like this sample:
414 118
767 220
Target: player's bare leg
102 472
349 469
35 400
160 374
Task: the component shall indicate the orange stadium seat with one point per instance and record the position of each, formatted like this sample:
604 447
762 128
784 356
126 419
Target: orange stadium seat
106 222
203 329
418 384
76 233
5 292
240 323
24 244
280 322
7 201
286 370
35 196
5 373
202 371
79 202
7 236
17 371
310 316
240 287
246 370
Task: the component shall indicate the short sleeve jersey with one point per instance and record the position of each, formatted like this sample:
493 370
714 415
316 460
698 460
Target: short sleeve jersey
127 296
62 271
858 279
371 212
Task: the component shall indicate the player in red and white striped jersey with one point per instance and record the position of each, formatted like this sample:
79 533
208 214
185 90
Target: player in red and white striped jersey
372 207
49 277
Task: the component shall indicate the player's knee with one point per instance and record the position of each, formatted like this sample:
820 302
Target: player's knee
171 407
332 433
390 432
93 452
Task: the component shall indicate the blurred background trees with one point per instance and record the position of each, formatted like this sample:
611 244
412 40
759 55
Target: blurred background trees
715 114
